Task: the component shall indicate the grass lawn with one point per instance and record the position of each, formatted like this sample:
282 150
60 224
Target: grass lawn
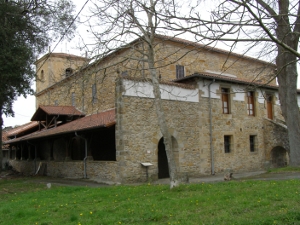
234 202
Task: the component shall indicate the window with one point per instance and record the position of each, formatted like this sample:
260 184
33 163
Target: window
179 71
225 100
94 94
227 144
69 71
252 140
73 98
269 100
56 102
250 103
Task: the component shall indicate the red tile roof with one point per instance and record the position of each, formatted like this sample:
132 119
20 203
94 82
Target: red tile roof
40 113
21 129
103 119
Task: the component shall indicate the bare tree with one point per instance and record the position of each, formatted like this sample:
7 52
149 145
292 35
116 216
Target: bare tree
115 24
270 28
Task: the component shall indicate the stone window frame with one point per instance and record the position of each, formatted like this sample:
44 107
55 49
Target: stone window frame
180 71
228 143
253 146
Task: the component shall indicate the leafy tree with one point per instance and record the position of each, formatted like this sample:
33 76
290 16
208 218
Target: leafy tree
27 27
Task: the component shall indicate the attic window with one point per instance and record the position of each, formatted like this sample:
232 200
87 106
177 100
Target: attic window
69 71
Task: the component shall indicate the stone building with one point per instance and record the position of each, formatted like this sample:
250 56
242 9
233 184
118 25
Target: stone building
96 119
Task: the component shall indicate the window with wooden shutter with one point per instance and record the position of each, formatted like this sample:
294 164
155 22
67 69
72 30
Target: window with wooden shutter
269 100
250 103
225 100
179 71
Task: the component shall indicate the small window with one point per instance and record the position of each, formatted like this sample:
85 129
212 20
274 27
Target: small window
179 71
69 71
225 100
94 94
56 102
227 144
250 103
252 140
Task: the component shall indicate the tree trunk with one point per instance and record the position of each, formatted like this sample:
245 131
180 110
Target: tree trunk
1 154
174 179
287 78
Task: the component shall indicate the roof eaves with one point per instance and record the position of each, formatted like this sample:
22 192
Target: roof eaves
227 79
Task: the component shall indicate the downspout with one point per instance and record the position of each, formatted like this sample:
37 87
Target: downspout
210 131
34 156
85 157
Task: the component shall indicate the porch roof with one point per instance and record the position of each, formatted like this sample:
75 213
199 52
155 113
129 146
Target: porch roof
102 119
63 111
21 130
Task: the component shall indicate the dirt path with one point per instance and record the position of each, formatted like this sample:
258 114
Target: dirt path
258 175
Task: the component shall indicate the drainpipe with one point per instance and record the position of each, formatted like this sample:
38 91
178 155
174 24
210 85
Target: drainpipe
210 131
34 156
85 157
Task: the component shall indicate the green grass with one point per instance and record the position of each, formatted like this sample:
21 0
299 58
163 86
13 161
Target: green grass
284 169
234 202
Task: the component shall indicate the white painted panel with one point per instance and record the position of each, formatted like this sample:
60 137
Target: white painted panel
145 90
260 97
238 92
203 86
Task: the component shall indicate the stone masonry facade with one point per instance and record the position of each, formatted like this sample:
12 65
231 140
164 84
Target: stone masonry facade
120 81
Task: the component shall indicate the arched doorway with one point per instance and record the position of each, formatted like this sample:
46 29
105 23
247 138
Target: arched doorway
163 168
279 157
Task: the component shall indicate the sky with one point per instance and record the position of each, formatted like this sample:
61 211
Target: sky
24 108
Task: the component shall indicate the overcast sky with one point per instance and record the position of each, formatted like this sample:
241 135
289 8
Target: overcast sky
25 108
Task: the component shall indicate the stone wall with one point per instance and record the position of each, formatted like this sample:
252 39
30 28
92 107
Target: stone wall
102 171
138 133
77 89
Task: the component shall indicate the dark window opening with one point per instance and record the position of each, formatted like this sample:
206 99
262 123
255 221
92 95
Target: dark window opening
227 144
179 71
252 143
69 71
